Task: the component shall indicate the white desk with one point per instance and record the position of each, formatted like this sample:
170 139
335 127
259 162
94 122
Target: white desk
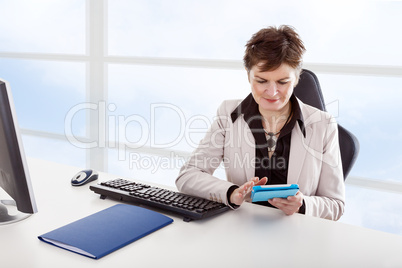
234 239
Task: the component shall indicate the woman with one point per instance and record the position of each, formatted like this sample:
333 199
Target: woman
270 137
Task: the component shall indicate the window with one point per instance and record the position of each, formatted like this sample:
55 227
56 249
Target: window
43 26
219 29
44 92
368 107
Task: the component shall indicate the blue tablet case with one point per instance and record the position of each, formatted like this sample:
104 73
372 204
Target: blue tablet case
259 193
106 231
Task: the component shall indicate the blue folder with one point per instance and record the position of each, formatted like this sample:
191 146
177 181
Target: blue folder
106 231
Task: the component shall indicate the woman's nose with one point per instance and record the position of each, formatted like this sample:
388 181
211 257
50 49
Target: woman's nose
271 89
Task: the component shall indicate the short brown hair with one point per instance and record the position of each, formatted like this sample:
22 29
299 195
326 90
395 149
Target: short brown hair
274 46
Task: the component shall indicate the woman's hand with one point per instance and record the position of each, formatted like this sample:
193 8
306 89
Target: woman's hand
238 195
288 205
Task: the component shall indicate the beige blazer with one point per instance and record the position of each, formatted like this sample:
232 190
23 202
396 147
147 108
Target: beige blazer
314 161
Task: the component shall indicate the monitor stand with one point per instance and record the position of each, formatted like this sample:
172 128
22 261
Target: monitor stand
6 217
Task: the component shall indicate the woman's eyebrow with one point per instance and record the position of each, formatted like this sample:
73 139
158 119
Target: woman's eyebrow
284 78
257 76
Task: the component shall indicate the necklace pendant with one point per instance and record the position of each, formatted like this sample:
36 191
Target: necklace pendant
271 141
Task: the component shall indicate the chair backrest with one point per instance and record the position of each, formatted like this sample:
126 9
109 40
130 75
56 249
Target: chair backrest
308 90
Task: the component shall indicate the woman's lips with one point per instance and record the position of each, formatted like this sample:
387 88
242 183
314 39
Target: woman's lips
271 100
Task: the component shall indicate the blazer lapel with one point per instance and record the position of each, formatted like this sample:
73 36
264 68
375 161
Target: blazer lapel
298 151
300 145
248 151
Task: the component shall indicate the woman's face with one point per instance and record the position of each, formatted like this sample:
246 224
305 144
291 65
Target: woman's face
272 89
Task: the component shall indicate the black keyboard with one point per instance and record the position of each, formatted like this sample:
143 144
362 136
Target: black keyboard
190 207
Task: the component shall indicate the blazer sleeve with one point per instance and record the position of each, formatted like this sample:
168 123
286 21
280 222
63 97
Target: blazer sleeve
195 177
329 199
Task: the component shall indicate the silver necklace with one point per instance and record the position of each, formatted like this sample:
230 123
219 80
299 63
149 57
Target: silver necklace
271 139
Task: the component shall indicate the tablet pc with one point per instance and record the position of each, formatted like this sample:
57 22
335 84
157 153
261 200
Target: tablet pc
265 192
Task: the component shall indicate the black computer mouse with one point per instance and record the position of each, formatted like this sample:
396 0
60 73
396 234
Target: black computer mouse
84 177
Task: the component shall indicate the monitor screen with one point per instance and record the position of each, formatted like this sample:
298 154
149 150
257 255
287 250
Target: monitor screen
14 175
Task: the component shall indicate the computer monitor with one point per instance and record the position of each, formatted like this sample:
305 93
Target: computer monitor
14 176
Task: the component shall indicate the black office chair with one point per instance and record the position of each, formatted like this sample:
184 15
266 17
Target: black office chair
308 90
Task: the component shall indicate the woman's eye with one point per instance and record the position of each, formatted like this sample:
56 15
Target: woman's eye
283 82
261 81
